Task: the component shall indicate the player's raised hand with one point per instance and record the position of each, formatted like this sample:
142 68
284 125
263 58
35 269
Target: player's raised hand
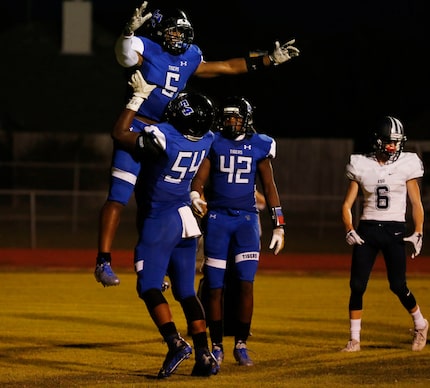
284 53
137 20
141 90
417 241
277 241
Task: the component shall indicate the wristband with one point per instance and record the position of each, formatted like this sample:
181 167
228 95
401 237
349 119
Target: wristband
277 217
134 103
255 63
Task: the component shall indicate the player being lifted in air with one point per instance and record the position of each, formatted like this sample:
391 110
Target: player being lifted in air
167 57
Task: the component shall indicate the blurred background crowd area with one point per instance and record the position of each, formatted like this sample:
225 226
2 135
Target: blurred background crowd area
61 91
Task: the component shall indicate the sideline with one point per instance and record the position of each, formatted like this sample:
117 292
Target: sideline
123 259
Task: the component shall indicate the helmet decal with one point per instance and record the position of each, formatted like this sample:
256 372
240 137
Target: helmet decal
192 114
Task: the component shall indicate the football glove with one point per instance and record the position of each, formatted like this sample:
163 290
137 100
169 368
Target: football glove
137 20
283 53
352 238
277 241
198 206
417 241
141 90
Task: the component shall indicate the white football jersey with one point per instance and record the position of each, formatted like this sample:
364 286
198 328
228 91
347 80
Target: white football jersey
384 186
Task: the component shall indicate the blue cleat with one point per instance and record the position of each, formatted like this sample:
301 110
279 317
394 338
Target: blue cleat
218 352
104 275
241 355
179 350
206 364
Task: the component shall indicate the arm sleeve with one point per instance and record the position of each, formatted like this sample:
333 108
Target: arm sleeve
126 49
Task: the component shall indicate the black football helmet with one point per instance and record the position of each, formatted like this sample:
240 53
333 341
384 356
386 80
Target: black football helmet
192 114
389 137
171 29
237 107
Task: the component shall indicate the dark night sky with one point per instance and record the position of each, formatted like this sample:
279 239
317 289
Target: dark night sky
359 59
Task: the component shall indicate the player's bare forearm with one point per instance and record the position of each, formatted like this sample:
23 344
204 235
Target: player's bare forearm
121 132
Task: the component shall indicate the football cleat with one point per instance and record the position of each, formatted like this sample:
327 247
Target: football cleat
206 364
352 346
420 338
218 352
104 275
165 286
179 350
241 355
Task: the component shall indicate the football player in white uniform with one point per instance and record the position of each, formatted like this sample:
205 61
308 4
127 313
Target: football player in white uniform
385 177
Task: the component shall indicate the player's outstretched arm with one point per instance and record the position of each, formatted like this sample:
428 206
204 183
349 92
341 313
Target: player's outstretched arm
280 54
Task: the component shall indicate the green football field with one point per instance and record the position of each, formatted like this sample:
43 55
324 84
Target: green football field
62 329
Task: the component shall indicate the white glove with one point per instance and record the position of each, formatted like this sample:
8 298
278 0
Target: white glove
137 20
284 53
141 90
352 238
277 241
417 240
197 204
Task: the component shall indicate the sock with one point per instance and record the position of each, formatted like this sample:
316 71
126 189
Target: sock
200 341
216 331
168 331
242 331
419 322
103 257
355 329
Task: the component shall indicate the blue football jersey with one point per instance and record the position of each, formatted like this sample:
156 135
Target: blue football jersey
169 72
165 181
234 170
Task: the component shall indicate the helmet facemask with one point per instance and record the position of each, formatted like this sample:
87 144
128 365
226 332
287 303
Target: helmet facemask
236 118
233 124
178 39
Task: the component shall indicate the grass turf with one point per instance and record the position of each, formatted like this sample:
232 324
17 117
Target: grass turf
64 329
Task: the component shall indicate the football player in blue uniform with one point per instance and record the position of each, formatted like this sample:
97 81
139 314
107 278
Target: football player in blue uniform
171 152
227 178
386 178
167 58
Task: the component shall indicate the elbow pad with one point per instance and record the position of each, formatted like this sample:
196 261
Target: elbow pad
124 53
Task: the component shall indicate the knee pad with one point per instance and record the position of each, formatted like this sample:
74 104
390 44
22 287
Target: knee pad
153 298
193 309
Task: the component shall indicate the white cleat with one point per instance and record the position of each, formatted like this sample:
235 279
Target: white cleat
352 346
420 338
